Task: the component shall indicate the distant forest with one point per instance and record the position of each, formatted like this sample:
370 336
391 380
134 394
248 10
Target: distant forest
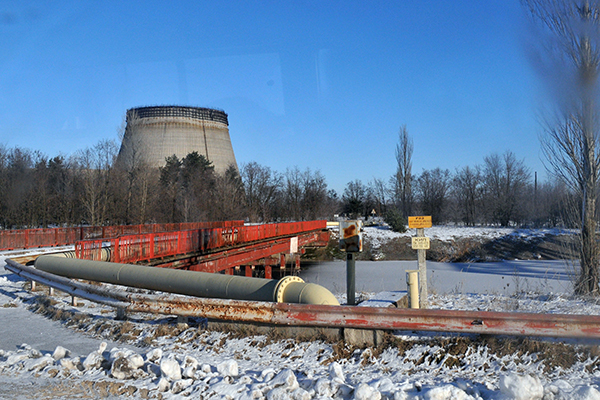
89 188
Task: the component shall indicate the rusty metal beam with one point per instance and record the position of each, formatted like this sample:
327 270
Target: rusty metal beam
201 242
143 247
97 294
478 322
243 255
490 323
233 257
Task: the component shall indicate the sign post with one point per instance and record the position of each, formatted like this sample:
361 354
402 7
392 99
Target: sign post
350 279
351 243
421 244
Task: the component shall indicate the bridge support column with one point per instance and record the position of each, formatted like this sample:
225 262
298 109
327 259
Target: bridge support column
281 265
297 256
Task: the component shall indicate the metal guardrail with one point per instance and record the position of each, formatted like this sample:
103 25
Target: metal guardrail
478 322
46 237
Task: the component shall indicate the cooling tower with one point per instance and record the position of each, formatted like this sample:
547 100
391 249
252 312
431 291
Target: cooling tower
154 133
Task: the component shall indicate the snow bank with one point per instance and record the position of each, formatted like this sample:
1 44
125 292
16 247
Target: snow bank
381 234
252 368
419 374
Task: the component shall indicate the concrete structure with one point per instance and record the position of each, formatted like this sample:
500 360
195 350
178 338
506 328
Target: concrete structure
155 133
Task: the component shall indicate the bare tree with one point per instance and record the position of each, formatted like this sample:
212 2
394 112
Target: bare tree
292 194
379 192
262 187
552 199
571 145
37 199
505 181
304 195
467 191
91 185
229 201
4 182
402 180
314 195
145 188
19 186
96 168
433 187
137 175
355 199
60 191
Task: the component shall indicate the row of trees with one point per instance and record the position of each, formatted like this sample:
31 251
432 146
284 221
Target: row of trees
501 191
90 188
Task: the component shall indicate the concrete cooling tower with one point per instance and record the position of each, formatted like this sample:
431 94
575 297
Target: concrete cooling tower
155 133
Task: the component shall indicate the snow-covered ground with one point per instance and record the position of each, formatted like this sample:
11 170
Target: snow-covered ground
378 234
164 360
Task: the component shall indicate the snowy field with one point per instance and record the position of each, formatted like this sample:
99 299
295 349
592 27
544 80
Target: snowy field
78 354
376 235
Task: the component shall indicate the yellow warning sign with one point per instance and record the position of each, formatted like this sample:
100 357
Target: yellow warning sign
420 243
423 221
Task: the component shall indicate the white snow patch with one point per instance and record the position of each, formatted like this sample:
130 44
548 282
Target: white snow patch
170 369
381 234
521 387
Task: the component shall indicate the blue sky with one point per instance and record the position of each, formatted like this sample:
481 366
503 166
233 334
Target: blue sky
324 85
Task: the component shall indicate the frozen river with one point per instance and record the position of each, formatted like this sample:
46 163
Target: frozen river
503 277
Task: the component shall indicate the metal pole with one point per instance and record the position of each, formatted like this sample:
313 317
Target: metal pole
421 259
350 278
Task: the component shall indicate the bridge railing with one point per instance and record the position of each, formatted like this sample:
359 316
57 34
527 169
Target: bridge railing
50 237
144 247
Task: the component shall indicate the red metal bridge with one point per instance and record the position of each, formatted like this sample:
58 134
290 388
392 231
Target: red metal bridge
206 246
11 239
